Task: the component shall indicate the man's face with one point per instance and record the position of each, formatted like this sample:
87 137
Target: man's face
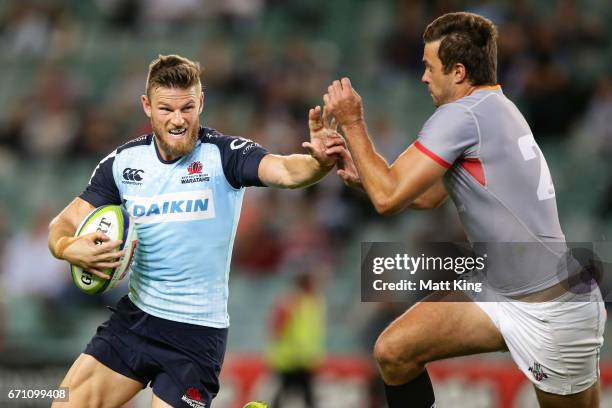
175 118
439 84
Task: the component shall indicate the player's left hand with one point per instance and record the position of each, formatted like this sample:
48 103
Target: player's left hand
344 103
320 132
346 166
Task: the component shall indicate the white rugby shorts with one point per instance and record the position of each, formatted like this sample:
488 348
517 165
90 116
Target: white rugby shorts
556 344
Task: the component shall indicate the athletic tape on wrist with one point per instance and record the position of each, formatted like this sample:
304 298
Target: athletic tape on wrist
62 244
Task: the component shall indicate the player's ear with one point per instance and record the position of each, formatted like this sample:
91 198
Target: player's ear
146 105
460 73
201 102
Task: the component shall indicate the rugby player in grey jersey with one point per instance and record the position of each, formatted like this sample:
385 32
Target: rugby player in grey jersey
478 149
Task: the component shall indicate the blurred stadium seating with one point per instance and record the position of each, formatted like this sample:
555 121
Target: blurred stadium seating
71 73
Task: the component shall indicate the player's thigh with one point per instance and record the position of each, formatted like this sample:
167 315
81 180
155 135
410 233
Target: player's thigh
157 402
588 398
433 330
92 384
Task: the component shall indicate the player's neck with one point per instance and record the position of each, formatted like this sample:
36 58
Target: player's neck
474 88
458 93
467 89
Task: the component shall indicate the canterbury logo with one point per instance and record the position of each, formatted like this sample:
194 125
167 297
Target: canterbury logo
132 174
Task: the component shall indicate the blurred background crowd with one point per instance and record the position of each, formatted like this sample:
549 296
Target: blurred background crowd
72 72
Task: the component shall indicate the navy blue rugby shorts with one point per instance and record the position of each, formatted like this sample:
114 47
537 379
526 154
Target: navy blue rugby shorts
180 361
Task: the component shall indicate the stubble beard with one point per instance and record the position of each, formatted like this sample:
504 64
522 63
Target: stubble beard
178 148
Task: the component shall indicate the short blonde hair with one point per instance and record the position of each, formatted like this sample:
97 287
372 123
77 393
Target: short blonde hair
172 71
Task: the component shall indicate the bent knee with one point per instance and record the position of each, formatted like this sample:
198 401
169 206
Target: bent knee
397 363
389 353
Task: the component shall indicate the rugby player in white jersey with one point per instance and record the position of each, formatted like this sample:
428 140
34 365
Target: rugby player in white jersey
478 149
184 185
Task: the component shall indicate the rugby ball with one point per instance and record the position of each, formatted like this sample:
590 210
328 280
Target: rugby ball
115 222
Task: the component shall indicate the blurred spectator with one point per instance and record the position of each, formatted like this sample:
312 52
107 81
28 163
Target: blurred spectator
29 269
596 135
513 61
50 125
258 248
4 238
307 15
297 347
123 14
163 15
121 102
596 128
25 30
239 13
491 9
37 29
402 46
547 94
96 136
217 58
575 30
304 237
11 134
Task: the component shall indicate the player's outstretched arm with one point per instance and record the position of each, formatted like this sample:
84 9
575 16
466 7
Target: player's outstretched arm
300 170
390 187
81 251
293 171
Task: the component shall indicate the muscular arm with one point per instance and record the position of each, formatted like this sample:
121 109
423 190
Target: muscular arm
83 251
393 187
434 197
390 187
64 225
293 171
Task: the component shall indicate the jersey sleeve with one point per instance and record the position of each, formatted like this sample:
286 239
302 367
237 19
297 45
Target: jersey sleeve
240 158
102 188
448 134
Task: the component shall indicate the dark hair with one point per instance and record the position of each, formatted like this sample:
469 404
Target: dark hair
172 71
468 39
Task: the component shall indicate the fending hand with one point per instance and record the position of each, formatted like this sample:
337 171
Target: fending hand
320 131
347 170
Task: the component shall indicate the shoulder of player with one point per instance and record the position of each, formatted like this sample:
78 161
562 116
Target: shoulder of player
106 165
457 109
223 141
472 101
143 140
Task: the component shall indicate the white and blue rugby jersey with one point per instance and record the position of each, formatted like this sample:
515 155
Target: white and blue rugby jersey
186 213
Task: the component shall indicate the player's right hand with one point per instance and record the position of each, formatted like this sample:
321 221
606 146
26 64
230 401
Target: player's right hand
344 103
94 253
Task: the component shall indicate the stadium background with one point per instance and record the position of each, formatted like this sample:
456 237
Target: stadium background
71 73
